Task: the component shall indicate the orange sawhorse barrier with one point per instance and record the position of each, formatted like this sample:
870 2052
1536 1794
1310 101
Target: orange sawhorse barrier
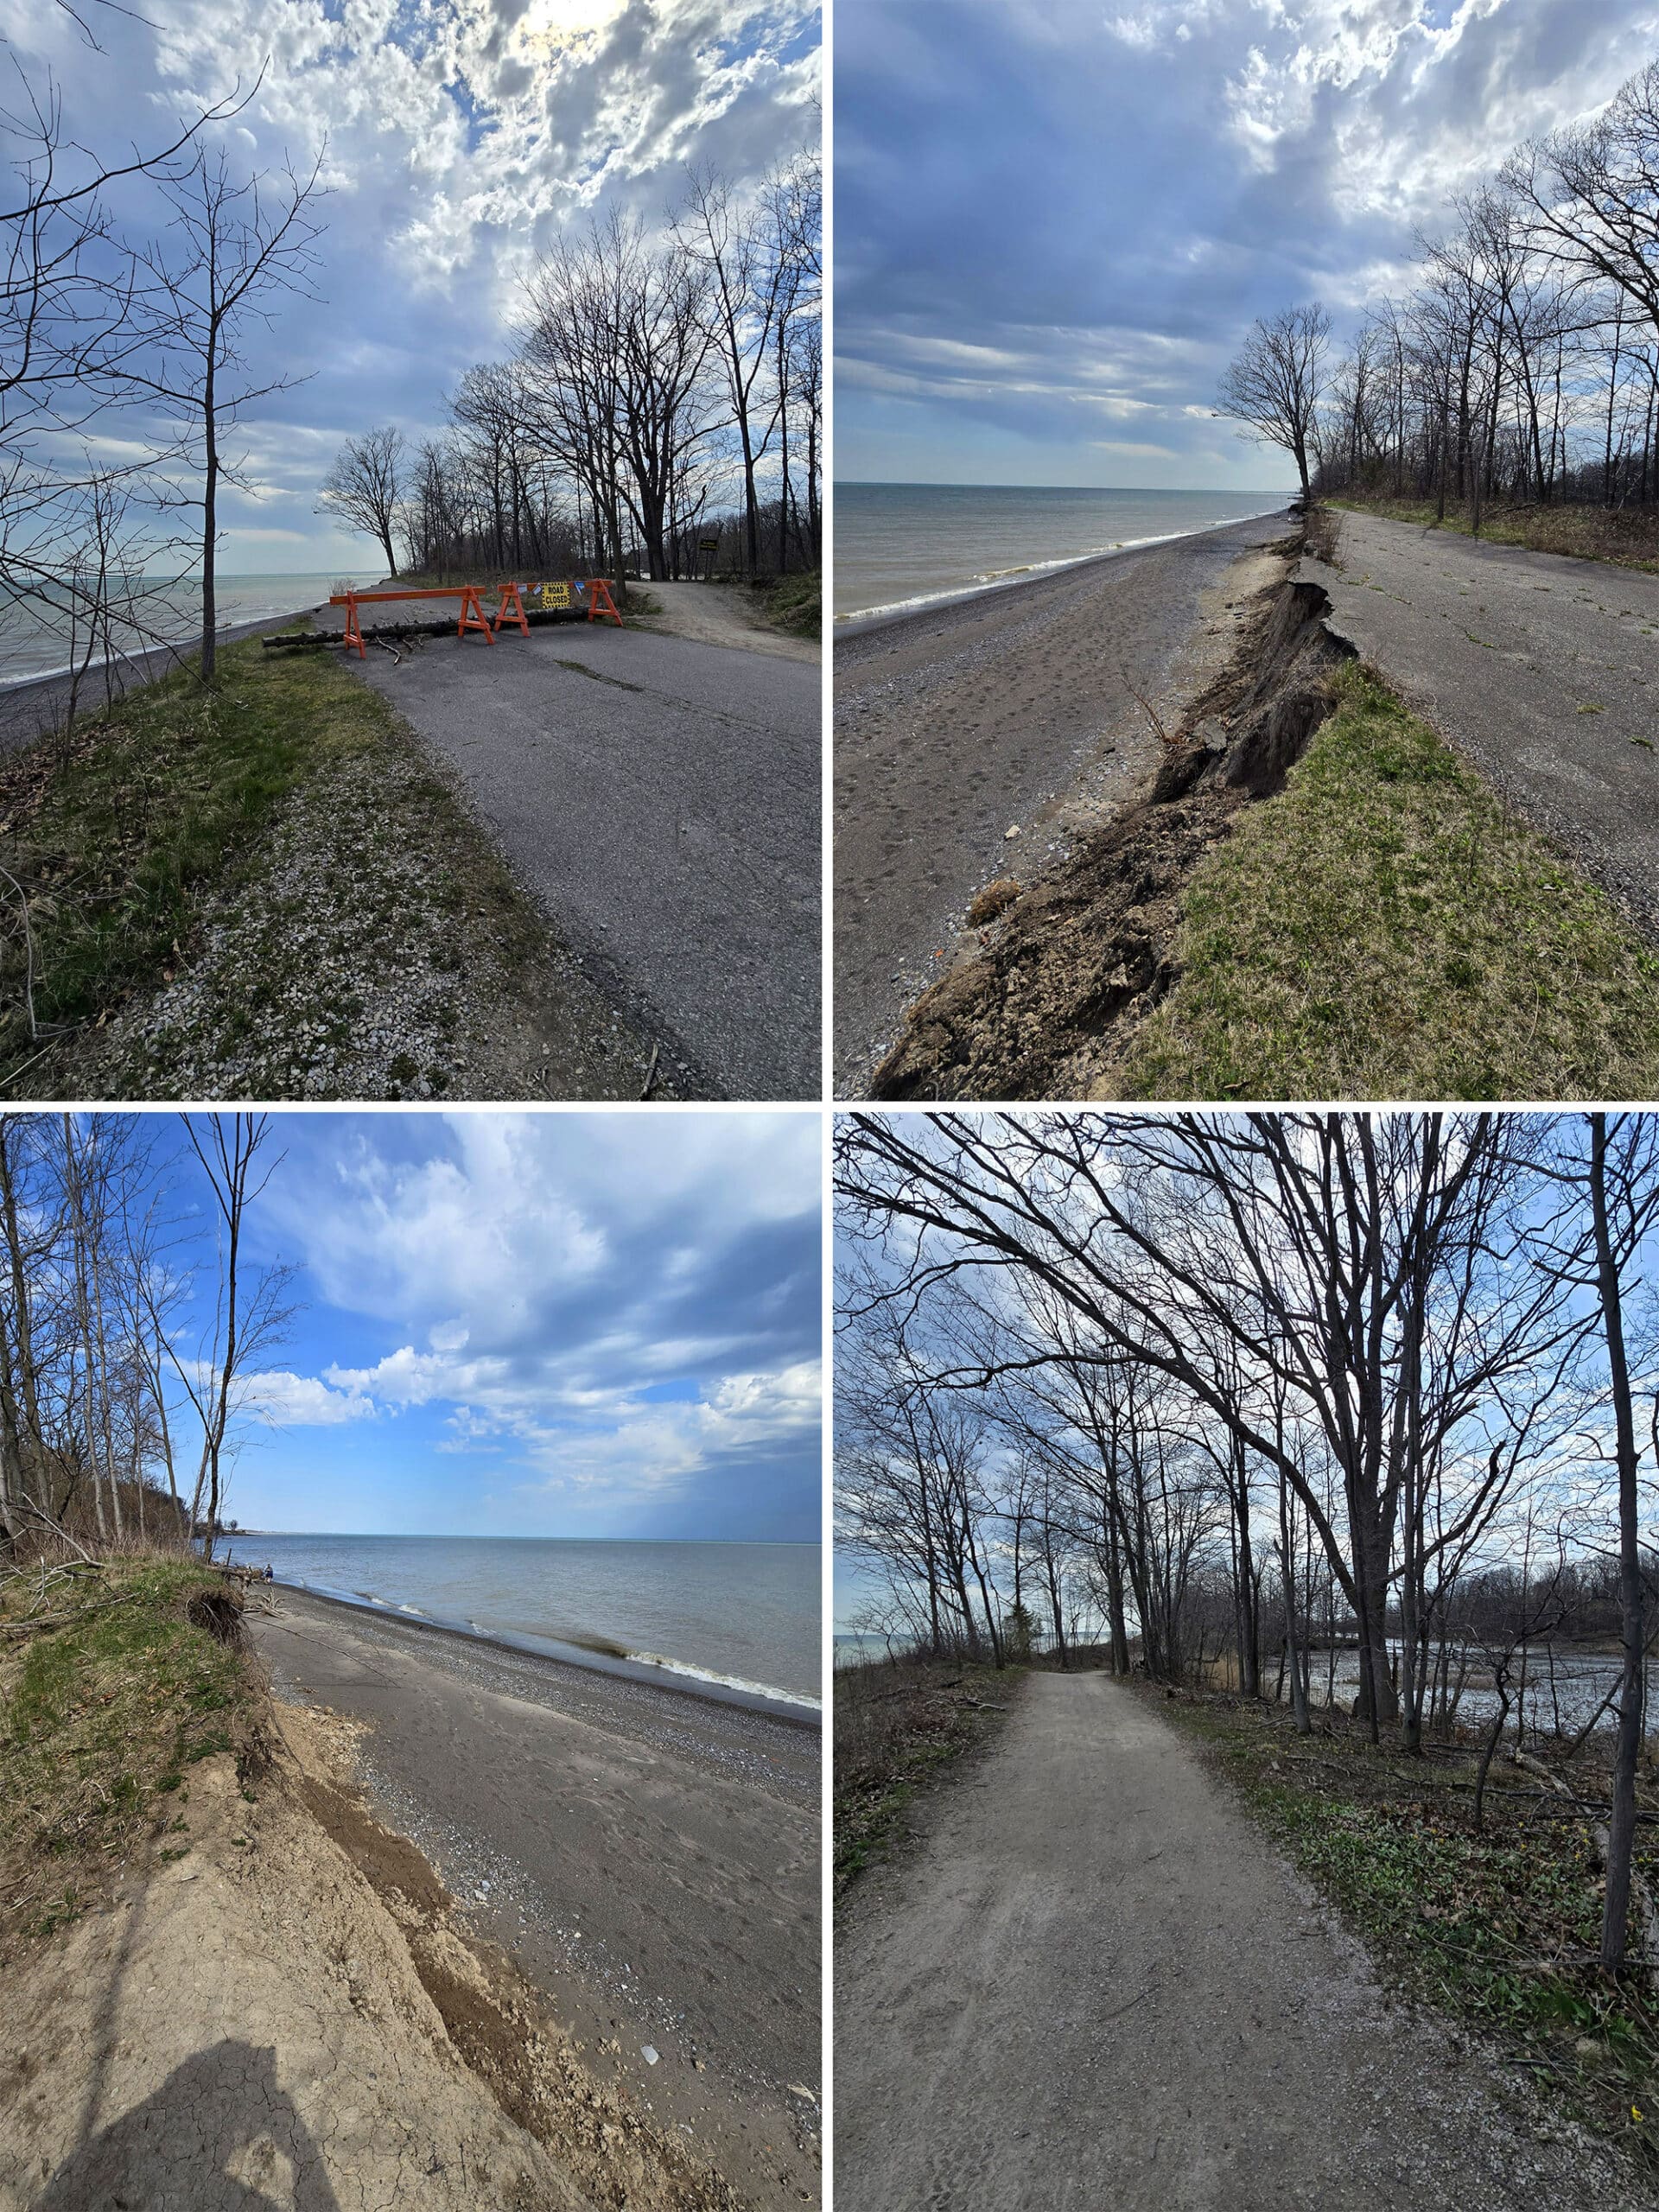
510 609
600 601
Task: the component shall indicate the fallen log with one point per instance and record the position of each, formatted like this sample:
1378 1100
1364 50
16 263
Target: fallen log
315 640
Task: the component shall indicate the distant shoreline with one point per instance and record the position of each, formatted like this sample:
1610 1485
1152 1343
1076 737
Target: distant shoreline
26 706
552 1652
862 623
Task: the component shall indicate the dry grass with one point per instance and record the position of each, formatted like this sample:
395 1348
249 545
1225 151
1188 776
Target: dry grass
898 1724
1627 538
1384 928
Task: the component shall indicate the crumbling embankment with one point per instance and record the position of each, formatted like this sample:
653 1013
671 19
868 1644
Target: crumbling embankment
1051 980
270 1994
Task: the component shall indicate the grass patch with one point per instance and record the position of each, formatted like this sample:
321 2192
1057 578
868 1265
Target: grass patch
1628 539
899 1724
1383 928
118 837
795 603
1499 1928
101 1720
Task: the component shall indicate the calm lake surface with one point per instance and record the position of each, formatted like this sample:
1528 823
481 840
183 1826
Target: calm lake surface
34 642
906 545
743 1614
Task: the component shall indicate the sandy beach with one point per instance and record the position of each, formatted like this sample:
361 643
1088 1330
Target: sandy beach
647 1858
1008 710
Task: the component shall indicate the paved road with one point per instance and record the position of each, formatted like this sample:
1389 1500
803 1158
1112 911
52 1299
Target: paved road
1094 1985
1503 650
662 798
958 723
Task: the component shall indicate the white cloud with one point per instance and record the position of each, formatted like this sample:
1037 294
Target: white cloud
287 1401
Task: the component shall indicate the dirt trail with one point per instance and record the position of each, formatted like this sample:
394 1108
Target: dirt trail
1095 1985
717 614
1544 671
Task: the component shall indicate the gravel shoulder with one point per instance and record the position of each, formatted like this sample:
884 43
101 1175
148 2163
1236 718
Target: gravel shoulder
1008 710
1094 1983
647 1859
1543 671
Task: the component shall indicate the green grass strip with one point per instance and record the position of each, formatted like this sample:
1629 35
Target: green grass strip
1384 928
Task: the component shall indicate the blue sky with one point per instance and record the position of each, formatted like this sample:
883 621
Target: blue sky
1055 222
461 134
552 1324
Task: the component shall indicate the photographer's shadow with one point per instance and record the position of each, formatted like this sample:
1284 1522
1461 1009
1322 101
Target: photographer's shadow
219 2135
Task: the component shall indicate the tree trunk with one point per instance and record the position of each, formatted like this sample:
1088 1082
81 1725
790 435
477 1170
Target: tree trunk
1621 1827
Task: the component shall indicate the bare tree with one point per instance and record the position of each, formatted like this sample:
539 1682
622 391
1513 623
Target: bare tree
235 248
249 1316
1275 385
364 487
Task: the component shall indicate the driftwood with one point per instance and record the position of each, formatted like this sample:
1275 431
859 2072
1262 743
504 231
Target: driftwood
62 1620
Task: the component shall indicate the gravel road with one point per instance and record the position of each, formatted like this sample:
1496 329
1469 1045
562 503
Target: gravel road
1543 671
1093 1984
958 723
661 798
649 1859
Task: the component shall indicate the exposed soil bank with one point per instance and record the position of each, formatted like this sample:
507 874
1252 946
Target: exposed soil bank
275 2004
1014 711
1051 982
648 1859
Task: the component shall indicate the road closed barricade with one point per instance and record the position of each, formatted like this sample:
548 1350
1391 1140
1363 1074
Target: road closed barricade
562 595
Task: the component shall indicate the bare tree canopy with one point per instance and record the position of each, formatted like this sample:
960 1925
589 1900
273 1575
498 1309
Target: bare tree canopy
364 487
120 1339
1274 385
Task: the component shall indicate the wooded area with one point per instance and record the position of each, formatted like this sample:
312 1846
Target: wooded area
655 379
1256 1388
1524 366
124 1358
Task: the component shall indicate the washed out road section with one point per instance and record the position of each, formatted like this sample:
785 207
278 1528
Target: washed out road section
1093 1983
958 723
660 797
1541 669
650 1860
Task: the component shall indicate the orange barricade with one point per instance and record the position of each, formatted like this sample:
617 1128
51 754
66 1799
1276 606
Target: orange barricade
594 590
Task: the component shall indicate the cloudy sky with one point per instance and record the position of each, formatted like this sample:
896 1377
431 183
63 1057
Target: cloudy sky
555 1324
1054 222
460 134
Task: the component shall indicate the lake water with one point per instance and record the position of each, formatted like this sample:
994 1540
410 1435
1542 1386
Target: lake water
899 546
33 643
745 1615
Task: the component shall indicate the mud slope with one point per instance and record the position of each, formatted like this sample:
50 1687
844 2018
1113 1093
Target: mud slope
273 2008
1051 982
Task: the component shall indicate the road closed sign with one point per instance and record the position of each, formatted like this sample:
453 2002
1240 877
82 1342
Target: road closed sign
551 597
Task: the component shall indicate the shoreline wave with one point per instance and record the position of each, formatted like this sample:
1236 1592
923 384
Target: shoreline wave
992 580
600 1654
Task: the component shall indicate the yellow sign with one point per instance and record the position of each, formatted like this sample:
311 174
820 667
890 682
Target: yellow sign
553 595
